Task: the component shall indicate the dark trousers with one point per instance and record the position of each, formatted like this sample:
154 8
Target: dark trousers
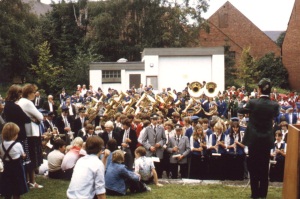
258 166
159 168
183 170
56 174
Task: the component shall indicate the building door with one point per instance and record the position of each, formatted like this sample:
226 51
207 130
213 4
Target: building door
134 80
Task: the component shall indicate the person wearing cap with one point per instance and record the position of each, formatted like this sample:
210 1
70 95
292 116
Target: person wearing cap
179 148
259 137
153 140
79 121
290 116
194 122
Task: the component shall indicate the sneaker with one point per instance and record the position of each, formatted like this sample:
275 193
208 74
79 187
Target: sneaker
35 186
148 188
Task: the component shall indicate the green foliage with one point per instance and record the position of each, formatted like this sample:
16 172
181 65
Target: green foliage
247 70
230 70
124 28
280 39
45 73
271 67
16 39
80 68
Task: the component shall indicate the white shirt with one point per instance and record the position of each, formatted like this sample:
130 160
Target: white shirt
55 159
143 166
140 138
50 106
87 179
15 152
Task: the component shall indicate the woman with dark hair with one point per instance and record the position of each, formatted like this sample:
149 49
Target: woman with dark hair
236 155
14 113
34 141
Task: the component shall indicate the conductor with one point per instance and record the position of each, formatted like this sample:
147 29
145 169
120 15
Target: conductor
259 137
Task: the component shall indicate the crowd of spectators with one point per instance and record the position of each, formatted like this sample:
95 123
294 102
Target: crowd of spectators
93 133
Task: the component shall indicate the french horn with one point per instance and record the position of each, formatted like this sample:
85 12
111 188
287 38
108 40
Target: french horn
210 89
195 89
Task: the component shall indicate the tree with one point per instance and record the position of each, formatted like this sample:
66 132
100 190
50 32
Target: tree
45 73
271 67
230 70
16 39
124 28
280 39
247 69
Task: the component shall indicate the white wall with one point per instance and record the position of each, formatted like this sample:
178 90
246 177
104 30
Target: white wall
175 72
218 71
96 78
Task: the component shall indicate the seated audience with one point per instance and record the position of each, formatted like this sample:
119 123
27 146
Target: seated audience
88 175
71 157
144 166
118 179
55 159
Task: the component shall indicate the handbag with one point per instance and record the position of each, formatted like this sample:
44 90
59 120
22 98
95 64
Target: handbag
32 129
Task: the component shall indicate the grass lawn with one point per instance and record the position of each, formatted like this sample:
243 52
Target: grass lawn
56 189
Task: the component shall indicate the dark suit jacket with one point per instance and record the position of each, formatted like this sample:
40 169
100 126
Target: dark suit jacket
61 125
40 104
77 125
259 131
132 137
115 135
46 107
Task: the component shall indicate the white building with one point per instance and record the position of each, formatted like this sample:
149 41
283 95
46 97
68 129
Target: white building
162 68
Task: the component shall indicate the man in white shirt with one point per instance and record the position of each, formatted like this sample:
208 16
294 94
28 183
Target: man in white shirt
55 159
88 176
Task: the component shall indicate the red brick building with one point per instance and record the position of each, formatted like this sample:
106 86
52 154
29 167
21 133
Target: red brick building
229 26
291 47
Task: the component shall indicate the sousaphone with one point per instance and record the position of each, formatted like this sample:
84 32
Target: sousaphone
210 89
195 89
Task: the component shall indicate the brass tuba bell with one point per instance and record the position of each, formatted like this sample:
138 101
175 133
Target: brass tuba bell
210 89
195 89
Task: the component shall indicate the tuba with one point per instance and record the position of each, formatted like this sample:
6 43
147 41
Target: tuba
210 89
195 89
171 97
129 109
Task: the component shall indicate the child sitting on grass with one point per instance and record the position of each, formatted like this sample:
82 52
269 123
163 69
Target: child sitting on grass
144 166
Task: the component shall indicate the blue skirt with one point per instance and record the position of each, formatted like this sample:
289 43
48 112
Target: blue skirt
13 180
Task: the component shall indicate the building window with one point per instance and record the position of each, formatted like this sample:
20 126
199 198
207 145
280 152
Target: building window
111 76
232 54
